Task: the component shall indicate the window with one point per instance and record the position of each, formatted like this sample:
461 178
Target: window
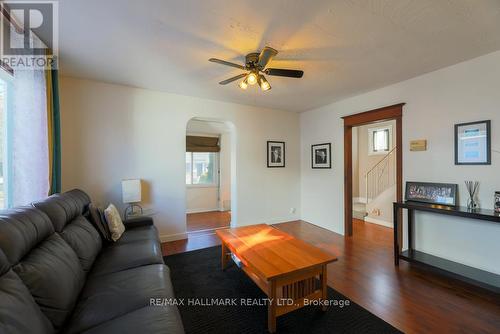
201 168
379 140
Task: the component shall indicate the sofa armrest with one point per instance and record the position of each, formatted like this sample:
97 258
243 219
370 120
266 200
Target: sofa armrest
137 222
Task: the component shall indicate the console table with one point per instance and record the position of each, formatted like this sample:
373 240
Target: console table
457 270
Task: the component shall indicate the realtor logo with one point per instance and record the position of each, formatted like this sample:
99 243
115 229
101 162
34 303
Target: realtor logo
29 36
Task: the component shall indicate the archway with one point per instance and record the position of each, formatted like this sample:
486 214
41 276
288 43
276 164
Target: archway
210 175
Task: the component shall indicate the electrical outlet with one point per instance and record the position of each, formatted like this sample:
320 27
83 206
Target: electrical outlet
292 210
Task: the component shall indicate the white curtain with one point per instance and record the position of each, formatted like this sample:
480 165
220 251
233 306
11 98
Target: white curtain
27 138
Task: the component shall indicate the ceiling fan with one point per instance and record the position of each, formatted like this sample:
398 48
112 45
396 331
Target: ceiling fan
255 64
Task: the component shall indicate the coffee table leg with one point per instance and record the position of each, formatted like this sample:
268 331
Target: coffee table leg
271 309
224 255
324 286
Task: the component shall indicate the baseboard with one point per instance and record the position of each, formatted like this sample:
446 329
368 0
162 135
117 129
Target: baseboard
202 210
372 220
173 237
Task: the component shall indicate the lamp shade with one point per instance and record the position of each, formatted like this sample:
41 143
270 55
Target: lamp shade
131 191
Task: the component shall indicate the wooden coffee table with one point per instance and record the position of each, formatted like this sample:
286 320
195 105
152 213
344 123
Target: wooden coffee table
285 268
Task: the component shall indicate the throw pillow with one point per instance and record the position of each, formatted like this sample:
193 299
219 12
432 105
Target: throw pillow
114 221
97 219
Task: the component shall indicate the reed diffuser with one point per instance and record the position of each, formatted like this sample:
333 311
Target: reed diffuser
472 187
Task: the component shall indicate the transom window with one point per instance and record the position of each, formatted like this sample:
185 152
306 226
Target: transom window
201 168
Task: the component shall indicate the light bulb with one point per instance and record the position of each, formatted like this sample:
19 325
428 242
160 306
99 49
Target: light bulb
244 84
263 83
252 78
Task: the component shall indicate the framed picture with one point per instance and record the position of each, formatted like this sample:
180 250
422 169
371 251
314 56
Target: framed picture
473 143
434 193
275 154
321 156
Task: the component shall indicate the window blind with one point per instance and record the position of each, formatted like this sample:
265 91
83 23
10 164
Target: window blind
202 144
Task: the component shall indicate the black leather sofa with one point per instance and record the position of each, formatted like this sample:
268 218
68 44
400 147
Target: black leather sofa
58 276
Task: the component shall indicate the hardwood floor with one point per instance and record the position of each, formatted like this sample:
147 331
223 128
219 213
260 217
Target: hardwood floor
412 299
207 220
193 242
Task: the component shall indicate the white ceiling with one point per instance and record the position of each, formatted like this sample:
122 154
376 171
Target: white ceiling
345 47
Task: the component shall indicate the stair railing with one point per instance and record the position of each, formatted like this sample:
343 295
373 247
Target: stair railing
381 176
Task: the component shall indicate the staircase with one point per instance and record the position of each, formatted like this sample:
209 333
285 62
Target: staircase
381 177
376 207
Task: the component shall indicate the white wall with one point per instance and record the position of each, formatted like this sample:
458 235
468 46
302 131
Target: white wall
436 101
202 199
112 132
380 208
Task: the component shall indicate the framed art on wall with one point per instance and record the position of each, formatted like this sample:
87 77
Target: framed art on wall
473 143
275 154
321 156
434 193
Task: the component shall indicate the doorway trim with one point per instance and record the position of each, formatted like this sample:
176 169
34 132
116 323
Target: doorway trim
393 112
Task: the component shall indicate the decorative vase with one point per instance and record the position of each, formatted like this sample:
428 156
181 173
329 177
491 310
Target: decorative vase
472 187
472 204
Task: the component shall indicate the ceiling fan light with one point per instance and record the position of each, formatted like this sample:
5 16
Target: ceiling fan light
263 83
244 84
252 78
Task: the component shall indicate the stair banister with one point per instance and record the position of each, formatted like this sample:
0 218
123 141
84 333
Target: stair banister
370 183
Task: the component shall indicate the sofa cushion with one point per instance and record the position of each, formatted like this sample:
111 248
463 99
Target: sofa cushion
18 311
139 233
45 263
54 276
96 217
151 320
21 229
126 255
63 208
78 197
84 239
65 212
115 224
109 296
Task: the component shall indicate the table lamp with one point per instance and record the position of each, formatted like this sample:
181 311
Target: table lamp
131 194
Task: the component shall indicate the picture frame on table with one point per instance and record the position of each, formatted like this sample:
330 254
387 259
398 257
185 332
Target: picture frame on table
321 156
275 154
432 193
473 143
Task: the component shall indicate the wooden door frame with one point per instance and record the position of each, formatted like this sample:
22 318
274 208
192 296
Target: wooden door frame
394 112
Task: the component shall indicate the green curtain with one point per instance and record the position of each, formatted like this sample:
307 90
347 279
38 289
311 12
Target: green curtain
54 130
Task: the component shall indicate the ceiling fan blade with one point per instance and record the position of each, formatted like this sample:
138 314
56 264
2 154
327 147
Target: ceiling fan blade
284 73
239 76
227 63
265 56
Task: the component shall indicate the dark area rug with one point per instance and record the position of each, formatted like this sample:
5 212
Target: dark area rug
197 278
